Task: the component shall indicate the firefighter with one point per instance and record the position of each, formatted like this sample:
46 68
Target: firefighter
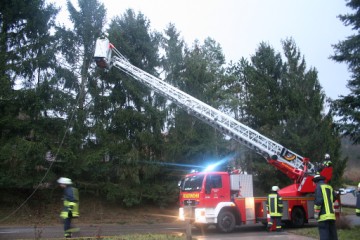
324 209
357 207
71 205
327 161
275 206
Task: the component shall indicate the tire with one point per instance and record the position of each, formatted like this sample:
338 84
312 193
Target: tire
226 222
297 217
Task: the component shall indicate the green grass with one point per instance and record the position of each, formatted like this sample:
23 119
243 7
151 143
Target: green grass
139 237
348 234
344 228
347 210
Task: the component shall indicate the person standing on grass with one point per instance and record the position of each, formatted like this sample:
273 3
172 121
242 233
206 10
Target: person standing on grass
71 205
324 211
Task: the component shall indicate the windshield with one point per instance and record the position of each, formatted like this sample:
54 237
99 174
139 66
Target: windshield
193 183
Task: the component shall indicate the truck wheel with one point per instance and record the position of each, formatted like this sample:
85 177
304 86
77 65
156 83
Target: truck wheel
297 217
226 222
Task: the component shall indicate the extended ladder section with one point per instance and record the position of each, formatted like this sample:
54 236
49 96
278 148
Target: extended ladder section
292 164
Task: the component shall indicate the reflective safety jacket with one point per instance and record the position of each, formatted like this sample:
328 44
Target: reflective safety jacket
71 203
274 205
324 201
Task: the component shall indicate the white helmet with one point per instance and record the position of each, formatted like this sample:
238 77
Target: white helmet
327 156
275 188
64 180
317 178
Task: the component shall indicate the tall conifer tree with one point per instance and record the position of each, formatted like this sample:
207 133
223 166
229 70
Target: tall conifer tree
77 46
346 108
27 59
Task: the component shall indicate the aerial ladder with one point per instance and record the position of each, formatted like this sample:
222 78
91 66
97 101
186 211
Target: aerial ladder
296 167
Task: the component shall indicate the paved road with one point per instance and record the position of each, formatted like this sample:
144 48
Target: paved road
246 232
354 220
348 200
253 231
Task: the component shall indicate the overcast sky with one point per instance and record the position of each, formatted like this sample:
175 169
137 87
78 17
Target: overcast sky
240 25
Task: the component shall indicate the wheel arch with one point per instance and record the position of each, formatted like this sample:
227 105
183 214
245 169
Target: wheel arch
236 213
228 206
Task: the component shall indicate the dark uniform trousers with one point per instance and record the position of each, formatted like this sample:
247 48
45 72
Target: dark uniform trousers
327 230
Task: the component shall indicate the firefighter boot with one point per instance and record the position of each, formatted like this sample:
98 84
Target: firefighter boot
269 227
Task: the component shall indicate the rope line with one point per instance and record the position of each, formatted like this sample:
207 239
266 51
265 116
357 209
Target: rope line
51 164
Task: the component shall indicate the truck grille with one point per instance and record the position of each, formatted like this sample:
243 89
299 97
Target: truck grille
189 202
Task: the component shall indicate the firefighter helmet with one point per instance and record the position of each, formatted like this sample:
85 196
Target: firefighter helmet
64 180
275 188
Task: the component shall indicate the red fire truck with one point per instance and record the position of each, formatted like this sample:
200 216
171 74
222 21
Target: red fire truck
225 199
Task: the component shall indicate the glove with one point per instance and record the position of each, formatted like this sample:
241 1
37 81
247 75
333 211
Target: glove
69 214
316 214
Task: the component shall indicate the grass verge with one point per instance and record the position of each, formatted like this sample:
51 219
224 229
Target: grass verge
348 234
138 237
344 229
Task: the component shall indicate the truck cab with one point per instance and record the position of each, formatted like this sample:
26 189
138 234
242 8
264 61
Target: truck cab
204 189
210 198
